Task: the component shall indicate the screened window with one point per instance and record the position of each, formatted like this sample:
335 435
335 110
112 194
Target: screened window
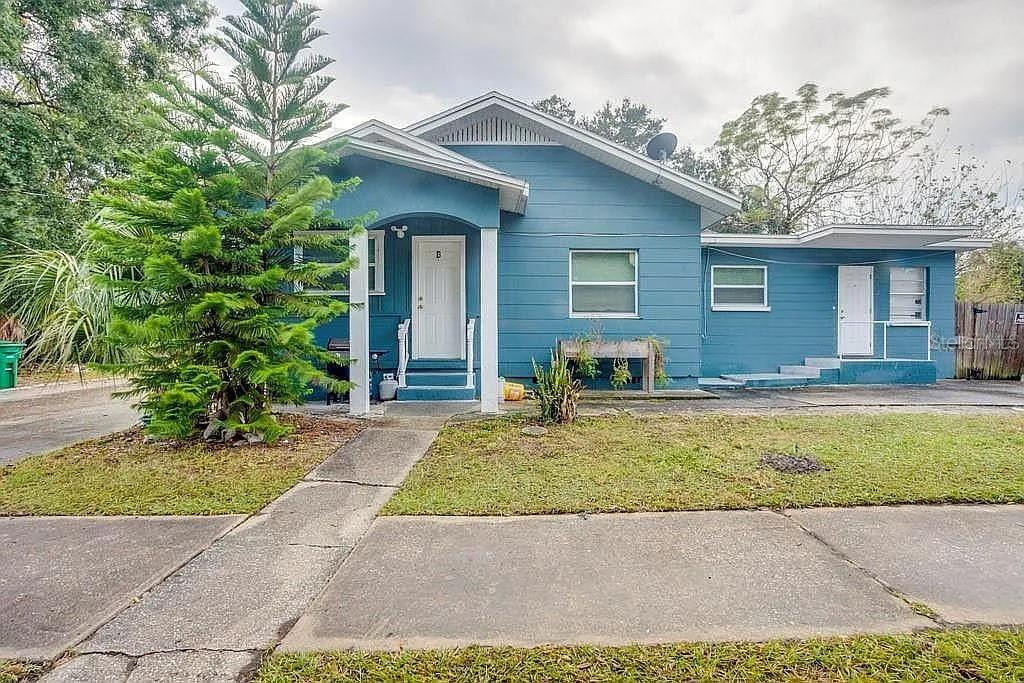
739 288
374 265
908 294
602 284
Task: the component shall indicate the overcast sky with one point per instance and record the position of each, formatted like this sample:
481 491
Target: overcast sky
696 63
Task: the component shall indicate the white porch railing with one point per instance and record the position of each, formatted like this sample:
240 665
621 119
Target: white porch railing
470 338
886 324
403 350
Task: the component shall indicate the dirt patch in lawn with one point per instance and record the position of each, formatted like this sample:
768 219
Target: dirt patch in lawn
791 464
122 474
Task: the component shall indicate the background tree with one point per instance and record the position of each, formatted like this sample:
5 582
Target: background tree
73 78
632 125
936 185
798 161
994 275
204 232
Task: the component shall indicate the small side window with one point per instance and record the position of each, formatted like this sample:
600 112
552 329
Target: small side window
739 288
908 294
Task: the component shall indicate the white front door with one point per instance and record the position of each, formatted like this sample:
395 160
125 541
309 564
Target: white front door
856 310
438 296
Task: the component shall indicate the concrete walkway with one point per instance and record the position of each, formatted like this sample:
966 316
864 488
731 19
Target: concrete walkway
427 582
214 618
40 418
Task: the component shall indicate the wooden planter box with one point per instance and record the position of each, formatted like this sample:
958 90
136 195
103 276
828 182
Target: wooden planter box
626 348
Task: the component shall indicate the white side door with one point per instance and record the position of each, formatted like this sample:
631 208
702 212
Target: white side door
856 310
438 296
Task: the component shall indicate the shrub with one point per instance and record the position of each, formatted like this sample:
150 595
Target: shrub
558 391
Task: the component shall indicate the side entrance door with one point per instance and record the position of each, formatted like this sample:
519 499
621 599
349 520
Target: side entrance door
438 296
856 310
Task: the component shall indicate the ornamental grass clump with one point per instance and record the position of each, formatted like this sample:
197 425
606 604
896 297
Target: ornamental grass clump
558 391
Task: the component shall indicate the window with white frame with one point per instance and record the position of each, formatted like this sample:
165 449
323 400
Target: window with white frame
603 283
339 285
739 288
908 294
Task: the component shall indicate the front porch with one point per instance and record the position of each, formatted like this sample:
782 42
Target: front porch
423 299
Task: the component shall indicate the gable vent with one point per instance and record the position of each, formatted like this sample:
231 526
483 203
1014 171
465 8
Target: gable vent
492 131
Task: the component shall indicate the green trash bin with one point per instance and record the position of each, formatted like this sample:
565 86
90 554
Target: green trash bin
10 353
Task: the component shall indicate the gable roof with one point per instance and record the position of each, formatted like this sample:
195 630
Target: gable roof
951 237
378 140
714 202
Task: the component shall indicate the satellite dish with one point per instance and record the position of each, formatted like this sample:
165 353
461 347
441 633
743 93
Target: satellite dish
661 146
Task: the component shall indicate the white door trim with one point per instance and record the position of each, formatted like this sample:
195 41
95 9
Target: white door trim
869 350
453 239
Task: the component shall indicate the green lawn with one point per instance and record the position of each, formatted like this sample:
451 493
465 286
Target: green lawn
15 672
624 463
122 475
956 655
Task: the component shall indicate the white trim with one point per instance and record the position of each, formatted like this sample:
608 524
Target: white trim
586 143
763 307
489 320
940 237
359 328
513 193
609 283
376 131
455 239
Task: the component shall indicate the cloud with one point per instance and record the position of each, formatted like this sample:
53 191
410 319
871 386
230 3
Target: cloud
698 63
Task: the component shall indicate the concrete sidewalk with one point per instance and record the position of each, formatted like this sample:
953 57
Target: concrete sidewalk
214 618
426 582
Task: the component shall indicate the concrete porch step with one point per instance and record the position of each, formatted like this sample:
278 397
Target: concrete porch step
436 393
435 379
768 379
829 363
800 371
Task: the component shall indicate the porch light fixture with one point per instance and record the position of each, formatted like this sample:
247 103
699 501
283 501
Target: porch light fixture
399 230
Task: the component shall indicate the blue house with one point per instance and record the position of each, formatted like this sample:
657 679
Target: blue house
503 230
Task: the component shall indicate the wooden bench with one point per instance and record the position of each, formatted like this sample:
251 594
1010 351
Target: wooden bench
634 348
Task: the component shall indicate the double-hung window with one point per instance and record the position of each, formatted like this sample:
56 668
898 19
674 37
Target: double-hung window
339 285
603 283
908 295
739 288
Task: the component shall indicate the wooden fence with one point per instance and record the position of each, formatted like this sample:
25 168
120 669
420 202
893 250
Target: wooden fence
990 340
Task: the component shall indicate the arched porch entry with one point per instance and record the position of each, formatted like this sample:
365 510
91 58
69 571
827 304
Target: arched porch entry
424 293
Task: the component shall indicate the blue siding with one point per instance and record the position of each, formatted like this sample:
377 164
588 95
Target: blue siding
802 294
394 191
578 203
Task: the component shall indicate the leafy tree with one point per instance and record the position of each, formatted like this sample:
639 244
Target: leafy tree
632 125
205 230
73 78
938 186
994 275
798 160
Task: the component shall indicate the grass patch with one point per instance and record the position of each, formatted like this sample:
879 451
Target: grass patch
15 672
956 655
121 474
626 464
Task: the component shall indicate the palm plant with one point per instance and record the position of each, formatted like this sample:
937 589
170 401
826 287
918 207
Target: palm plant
56 300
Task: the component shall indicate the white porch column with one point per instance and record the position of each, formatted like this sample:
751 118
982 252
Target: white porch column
359 327
489 320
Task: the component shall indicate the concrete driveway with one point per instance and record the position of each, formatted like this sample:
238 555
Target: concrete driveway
38 419
426 582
